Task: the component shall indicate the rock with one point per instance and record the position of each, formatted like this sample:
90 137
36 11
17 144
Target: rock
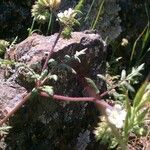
43 121
10 95
34 48
32 52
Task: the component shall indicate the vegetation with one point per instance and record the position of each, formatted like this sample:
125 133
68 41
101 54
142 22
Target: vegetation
124 106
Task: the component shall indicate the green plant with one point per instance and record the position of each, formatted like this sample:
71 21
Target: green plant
106 21
42 12
120 120
128 120
4 130
95 21
139 53
3 45
80 5
67 21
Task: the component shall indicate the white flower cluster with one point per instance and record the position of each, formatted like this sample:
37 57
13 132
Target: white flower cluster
66 15
116 115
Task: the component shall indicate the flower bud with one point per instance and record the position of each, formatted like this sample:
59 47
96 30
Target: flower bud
53 4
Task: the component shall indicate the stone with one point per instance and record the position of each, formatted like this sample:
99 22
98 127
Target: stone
46 122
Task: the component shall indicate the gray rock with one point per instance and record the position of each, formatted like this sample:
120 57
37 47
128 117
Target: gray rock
46 122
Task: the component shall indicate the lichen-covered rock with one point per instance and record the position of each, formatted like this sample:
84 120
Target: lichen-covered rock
10 95
32 52
109 21
48 124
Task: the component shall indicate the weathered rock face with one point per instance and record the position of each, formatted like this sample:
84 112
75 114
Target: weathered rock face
32 51
48 124
10 94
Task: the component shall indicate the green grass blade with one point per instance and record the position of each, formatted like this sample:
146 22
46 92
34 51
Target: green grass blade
98 15
128 116
86 17
135 43
139 95
49 23
80 5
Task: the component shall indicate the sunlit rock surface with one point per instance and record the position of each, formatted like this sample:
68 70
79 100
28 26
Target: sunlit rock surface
44 123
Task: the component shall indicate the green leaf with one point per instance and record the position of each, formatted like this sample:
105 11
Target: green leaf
35 76
52 62
147 34
100 11
114 143
79 53
80 5
4 130
145 98
54 77
141 116
135 72
135 44
123 75
67 57
128 86
3 45
92 85
101 77
44 74
145 39
128 116
48 89
65 66
66 33
34 93
139 94
76 22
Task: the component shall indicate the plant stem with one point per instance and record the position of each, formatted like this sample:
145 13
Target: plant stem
79 5
40 28
49 23
89 11
52 50
100 102
98 15
74 99
135 43
31 29
107 92
119 138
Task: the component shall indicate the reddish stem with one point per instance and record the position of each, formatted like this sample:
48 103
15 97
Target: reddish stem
51 51
100 102
107 92
67 98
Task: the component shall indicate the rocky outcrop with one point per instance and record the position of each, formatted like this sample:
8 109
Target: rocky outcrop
44 122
